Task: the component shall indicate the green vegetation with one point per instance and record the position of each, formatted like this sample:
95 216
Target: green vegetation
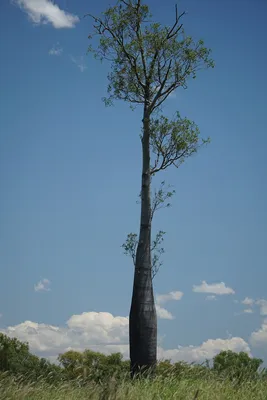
160 389
92 375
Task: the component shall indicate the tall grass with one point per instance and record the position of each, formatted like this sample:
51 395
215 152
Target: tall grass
200 388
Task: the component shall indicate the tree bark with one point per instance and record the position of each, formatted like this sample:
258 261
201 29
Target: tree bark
143 318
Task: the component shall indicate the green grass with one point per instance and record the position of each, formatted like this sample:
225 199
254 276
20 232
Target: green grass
158 389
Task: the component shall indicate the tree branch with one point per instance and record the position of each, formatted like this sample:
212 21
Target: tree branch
120 42
141 47
172 32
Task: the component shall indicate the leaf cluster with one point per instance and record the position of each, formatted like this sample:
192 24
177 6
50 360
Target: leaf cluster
148 60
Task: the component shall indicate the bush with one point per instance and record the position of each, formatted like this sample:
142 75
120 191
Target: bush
16 358
236 366
95 367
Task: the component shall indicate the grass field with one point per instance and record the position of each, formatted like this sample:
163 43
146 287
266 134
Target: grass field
169 388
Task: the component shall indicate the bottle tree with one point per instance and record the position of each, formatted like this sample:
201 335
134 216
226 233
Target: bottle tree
149 61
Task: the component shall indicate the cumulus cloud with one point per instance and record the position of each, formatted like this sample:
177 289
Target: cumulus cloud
259 337
248 301
263 306
162 313
108 334
207 350
79 61
262 303
56 50
42 286
163 298
47 12
215 288
211 297
100 327
81 331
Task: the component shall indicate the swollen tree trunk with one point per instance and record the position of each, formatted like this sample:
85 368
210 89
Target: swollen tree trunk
143 319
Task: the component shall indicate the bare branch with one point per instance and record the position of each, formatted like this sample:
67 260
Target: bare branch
172 32
152 106
139 38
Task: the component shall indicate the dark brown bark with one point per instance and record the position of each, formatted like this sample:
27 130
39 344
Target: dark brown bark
143 319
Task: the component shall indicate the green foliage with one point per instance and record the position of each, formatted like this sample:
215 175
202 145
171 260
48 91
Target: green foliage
93 366
16 358
156 252
89 368
148 60
172 141
236 366
164 389
14 355
161 199
130 246
72 362
182 370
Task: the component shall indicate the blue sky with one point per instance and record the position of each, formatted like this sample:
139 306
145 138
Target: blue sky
70 176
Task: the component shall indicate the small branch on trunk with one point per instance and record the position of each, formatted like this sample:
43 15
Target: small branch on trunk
161 196
130 248
160 200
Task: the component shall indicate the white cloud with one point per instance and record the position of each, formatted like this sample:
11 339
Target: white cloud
211 297
56 50
46 11
248 301
81 331
215 288
100 327
163 298
108 334
248 311
207 350
162 313
263 306
42 286
259 337
79 62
